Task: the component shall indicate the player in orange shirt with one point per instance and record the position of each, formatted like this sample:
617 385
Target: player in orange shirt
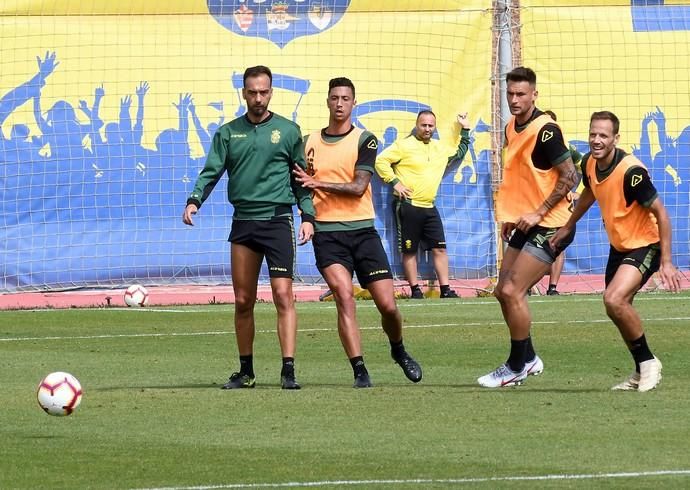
532 203
639 231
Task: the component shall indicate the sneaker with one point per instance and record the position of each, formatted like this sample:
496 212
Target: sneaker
650 374
534 367
288 382
502 376
410 367
629 384
449 294
416 293
239 380
552 292
362 380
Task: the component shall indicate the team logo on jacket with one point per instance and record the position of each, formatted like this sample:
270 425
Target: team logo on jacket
275 136
279 21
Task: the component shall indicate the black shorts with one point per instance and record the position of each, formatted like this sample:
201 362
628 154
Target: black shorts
417 225
360 251
273 238
536 243
646 259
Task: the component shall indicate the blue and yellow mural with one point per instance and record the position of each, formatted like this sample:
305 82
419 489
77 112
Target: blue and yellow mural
637 66
107 110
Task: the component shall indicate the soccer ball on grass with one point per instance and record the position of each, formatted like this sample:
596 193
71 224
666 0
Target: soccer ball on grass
136 295
59 394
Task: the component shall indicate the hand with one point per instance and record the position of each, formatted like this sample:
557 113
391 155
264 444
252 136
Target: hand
184 102
99 92
402 191
48 65
507 230
84 106
670 276
306 232
126 102
189 211
142 89
557 237
527 221
301 176
463 120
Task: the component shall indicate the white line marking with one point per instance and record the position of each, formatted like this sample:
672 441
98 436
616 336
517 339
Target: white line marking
329 329
419 481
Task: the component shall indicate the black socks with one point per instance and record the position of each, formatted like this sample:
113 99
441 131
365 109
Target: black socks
247 365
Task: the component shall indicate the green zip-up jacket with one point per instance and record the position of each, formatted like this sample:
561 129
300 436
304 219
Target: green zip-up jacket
259 159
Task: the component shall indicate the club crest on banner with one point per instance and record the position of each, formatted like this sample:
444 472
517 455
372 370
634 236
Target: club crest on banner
279 21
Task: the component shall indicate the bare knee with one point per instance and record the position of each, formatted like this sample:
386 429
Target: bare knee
388 308
283 299
344 300
614 302
244 302
506 292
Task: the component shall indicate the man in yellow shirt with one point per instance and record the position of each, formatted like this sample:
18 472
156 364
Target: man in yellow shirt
414 166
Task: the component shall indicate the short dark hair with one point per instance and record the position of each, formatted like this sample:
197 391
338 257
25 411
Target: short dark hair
551 114
341 82
607 116
522 74
425 111
255 71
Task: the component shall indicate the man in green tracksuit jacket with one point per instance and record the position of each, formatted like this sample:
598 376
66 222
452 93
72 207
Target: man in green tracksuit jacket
258 151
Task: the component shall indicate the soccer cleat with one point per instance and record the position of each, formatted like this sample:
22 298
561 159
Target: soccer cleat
650 374
239 380
410 367
288 382
502 376
629 384
416 293
552 292
449 294
534 367
362 380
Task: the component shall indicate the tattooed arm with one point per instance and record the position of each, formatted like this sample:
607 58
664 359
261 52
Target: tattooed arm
357 187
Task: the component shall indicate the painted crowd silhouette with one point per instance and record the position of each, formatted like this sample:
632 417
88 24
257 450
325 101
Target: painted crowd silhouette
90 193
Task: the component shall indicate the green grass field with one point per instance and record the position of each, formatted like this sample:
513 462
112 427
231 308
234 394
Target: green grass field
152 415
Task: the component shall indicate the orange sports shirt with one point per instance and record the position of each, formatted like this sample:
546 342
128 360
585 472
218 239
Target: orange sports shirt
525 187
628 227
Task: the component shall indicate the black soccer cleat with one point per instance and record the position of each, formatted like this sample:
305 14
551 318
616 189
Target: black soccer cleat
410 367
288 382
449 294
239 380
362 380
416 293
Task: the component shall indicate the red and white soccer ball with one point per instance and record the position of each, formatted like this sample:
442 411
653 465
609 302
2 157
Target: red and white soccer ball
59 394
136 295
